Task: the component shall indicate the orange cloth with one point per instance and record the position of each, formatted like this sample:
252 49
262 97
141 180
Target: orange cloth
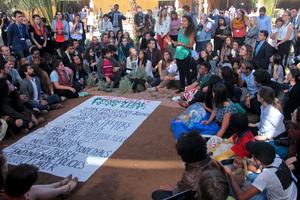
59 27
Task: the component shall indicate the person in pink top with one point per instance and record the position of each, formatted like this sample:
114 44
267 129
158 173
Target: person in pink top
174 25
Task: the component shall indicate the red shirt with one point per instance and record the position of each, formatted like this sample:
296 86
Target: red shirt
239 144
107 68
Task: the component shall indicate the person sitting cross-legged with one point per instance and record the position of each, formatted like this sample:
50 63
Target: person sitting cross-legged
62 78
31 87
192 149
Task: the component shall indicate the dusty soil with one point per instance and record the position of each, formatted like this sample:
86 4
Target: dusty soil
147 160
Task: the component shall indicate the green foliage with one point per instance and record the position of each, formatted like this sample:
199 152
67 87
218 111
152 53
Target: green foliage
103 86
91 82
139 73
270 6
125 85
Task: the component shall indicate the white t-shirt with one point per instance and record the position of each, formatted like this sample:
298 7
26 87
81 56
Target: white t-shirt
271 122
268 181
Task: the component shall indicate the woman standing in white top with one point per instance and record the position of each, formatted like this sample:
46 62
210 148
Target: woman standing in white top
162 29
275 30
90 22
271 119
285 37
76 30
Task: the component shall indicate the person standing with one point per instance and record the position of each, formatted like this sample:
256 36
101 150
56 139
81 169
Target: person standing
187 11
264 21
149 22
116 18
4 25
61 30
175 25
204 33
252 32
17 35
222 32
162 29
38 33
239 27
263 51
76 31
90 22
105 25
285 37
296 23
184 44
139 21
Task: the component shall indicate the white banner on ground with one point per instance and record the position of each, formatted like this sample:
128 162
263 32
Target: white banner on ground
81 140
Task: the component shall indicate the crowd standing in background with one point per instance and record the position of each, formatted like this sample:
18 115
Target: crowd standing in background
233 62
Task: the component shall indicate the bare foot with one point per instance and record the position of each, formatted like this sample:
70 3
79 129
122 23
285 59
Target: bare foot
71 185
66 180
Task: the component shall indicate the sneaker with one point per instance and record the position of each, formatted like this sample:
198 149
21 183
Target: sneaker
177 98
152 89
63 99
36 110
107 89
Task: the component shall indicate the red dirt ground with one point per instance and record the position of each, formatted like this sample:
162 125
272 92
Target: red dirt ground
147 160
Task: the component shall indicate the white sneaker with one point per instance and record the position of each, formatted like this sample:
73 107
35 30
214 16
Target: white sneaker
177 98
151 89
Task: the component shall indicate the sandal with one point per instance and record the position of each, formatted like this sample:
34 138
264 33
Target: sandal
66 180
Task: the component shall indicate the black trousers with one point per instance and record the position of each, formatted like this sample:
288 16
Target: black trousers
284 51
66 93
184 72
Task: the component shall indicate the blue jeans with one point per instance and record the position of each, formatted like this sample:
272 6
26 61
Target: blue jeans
50 100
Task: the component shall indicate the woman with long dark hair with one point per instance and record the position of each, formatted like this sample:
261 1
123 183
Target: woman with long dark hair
162 29
184 44
222 110
38 34
4 25
76 31
222 32
90 60
144 63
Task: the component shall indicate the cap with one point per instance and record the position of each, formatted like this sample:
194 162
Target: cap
262 151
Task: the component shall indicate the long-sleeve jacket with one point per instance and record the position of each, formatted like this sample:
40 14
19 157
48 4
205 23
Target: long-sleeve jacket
164 27
17 36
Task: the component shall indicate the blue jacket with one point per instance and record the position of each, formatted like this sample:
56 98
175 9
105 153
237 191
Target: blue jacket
66 28
17 36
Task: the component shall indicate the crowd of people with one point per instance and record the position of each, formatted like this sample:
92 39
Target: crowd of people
231 62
